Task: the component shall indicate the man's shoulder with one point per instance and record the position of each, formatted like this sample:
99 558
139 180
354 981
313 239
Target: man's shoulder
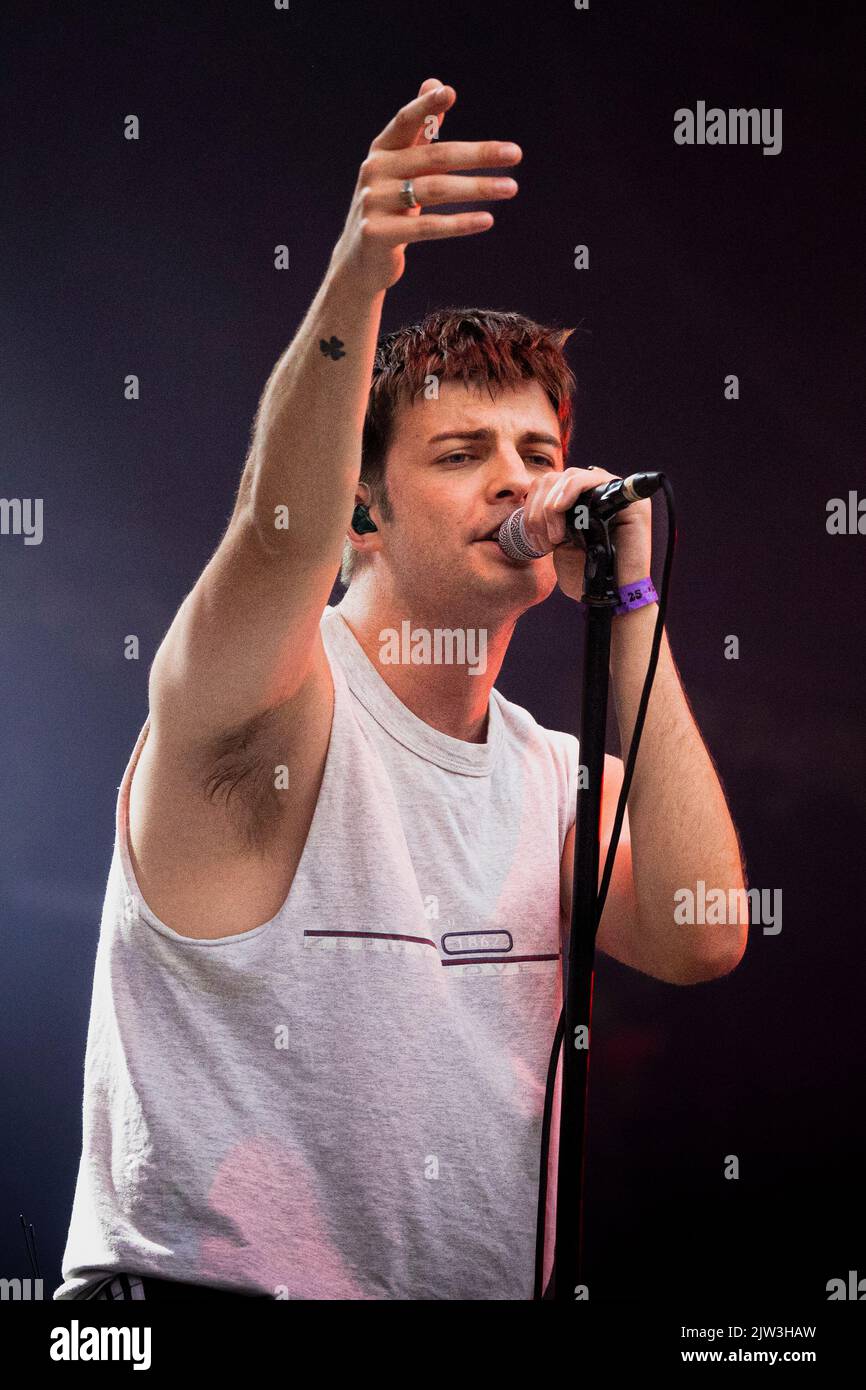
520 722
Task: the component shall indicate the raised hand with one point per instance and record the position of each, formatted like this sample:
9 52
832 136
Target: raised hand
380 224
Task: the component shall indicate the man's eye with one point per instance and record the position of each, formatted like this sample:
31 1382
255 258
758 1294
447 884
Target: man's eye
462 454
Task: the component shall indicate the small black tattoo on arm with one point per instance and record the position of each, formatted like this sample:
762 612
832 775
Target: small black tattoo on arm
333 348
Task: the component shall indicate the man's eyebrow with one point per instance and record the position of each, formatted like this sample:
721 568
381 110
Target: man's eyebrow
529 437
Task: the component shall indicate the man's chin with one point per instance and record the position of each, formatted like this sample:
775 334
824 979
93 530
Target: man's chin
497 570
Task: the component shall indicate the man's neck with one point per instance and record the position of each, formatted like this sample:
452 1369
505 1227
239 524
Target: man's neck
450 696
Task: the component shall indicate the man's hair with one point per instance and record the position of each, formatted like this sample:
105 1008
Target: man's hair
505 349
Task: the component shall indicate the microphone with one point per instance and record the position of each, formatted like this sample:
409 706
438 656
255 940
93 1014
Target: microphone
601 502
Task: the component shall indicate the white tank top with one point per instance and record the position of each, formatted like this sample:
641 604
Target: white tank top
346 1101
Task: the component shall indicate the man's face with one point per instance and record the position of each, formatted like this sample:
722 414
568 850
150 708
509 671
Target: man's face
448 490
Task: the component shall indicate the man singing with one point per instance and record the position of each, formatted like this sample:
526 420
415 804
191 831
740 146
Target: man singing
329 967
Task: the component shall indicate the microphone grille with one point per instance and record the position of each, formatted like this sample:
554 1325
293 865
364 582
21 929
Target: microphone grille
512 538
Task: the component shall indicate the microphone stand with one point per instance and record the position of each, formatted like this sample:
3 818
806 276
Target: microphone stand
601 597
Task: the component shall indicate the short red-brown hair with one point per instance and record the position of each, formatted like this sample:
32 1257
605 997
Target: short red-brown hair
505 349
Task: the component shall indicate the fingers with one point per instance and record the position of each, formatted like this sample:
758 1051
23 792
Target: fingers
547 501
384 194
408 148
574 481
442 157
432 121
399 230
544 516
404 128
535 513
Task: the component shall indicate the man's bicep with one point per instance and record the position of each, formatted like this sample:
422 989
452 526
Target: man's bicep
244 641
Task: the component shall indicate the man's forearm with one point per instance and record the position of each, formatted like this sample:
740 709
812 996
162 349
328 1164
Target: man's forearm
681 830
305 452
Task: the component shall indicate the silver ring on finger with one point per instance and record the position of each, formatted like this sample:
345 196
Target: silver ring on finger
407 195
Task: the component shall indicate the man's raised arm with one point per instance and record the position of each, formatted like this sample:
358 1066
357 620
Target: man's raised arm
246 638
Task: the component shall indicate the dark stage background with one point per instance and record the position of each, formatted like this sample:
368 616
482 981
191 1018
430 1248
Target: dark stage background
155 257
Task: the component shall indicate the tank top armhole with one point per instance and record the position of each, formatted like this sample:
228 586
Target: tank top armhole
571 748
134 901
121 819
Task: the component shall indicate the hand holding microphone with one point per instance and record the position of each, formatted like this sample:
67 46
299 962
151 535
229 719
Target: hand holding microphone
545 523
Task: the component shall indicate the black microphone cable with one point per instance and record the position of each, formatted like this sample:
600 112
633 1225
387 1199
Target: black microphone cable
30 1243
605 882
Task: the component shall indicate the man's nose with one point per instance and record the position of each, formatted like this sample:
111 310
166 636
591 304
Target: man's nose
509 475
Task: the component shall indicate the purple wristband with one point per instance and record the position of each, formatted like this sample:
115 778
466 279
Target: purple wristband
636 595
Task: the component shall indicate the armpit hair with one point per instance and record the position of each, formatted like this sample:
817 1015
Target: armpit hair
239 775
